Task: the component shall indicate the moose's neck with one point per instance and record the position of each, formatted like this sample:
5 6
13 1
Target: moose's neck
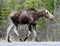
38 15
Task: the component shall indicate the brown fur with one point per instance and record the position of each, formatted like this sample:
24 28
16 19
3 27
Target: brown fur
28 17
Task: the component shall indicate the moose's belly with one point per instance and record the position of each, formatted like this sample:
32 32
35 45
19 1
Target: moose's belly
25 20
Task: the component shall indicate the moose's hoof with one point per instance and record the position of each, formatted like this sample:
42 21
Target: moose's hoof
21 39
8 40
37 40
25 38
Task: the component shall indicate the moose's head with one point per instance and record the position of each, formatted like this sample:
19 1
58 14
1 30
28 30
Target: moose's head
47 14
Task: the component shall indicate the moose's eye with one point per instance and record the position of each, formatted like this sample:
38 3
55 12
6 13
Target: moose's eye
47 12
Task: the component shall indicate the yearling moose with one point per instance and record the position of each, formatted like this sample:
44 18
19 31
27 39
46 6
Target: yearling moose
29 17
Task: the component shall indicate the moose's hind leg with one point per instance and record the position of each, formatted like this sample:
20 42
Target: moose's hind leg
34 33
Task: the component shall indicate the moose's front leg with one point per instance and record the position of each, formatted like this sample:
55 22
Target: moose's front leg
29 32
16 30
8 32
34 33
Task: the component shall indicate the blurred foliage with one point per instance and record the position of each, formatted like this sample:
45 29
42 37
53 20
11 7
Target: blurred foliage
33 3
1 3
58 2
48 5
6 8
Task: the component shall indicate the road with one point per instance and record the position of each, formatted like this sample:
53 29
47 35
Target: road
30 44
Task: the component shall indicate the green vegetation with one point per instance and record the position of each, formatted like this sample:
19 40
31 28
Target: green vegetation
58 2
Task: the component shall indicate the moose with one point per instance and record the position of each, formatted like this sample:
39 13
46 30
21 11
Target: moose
29 17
